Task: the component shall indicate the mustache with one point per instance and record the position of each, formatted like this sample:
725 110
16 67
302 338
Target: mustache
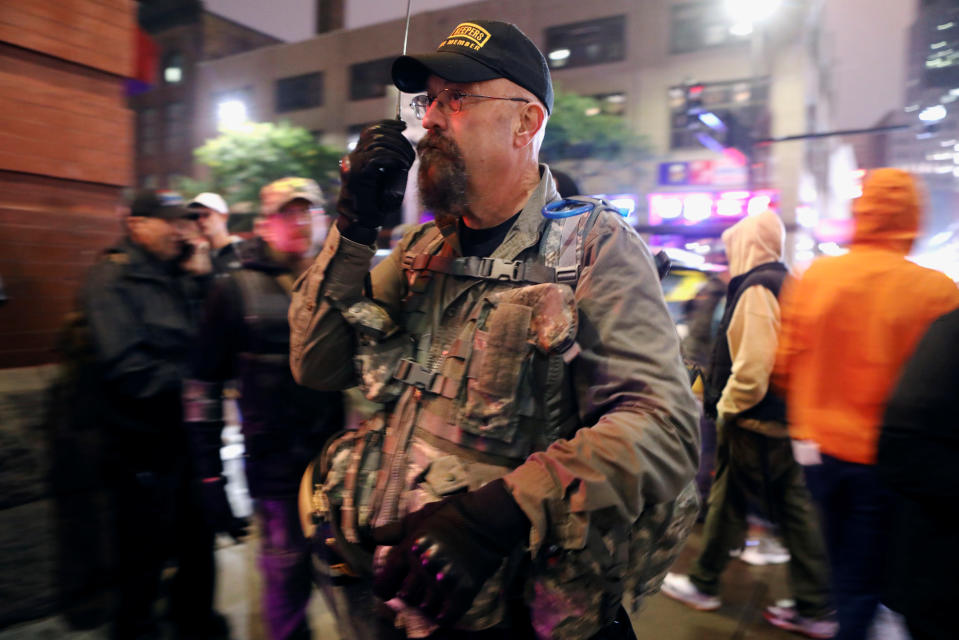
436 142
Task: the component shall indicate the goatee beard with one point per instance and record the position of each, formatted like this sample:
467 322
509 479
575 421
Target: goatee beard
442 176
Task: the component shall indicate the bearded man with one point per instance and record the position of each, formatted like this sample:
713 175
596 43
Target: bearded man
536 403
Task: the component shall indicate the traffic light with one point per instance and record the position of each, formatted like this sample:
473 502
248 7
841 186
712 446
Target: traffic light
694 102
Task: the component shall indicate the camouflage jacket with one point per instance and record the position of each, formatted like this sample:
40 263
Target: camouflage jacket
491 390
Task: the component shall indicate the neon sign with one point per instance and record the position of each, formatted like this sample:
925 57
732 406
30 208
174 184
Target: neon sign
690 208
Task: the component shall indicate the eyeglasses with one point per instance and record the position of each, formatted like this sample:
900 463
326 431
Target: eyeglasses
452 101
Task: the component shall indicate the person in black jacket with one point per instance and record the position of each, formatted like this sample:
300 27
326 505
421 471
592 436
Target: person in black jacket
918 449
140 306
245 336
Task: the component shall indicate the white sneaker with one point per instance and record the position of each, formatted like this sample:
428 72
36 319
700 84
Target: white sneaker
761 552
789 619
678 587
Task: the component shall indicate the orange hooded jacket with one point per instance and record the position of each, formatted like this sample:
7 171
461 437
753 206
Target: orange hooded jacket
850 322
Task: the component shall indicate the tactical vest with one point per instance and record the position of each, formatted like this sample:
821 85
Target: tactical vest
772 407
494 405
480 396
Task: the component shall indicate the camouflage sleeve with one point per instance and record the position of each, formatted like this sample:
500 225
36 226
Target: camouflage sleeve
322 344
641 446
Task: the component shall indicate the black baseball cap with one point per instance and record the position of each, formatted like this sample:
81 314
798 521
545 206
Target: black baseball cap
479 50
168 205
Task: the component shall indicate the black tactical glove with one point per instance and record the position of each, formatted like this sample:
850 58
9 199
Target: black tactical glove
444 552
217 510
374 180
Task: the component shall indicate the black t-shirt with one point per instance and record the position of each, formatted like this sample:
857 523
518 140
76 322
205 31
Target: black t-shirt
482 242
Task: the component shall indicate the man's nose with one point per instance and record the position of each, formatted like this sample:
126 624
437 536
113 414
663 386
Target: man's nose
435 116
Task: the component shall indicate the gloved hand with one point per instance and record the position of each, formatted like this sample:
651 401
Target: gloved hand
373 180
217 510
444 552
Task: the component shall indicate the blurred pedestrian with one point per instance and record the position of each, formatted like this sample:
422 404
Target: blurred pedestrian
702 323
139 304
755 461
918 450
848 326
245 335
212 215
565 184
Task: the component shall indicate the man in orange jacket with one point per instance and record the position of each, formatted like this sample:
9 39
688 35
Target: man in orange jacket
848 326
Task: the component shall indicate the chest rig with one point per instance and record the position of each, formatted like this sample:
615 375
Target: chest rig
485 343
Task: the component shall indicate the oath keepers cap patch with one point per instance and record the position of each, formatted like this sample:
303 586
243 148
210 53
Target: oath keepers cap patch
466 34
476 51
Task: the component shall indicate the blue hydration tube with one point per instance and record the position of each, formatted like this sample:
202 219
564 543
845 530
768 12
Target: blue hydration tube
567 208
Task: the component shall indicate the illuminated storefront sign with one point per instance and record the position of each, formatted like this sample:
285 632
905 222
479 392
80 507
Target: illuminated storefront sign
690 208
702 173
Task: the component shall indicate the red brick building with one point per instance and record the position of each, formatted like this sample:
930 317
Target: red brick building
66 151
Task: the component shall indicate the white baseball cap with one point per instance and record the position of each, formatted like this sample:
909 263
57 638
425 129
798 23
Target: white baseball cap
210 201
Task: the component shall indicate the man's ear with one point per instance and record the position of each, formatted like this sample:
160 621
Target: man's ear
528 124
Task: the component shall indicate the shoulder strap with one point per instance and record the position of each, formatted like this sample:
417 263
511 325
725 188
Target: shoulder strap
560 253
564 241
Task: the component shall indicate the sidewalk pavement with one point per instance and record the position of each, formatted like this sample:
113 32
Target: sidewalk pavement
746 590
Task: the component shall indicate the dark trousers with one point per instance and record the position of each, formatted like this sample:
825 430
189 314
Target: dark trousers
935 627
754 468
852 502
285 563
707 457
158 518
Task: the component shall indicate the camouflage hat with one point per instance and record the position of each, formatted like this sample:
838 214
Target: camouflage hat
279 193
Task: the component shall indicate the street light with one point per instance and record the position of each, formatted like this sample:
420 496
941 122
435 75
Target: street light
231 113
934 113
743 14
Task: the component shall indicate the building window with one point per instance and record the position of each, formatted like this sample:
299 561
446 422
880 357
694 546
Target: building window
587 43
176 122
745 101
299 92
148 132
173 68
700 25
611 104
370 79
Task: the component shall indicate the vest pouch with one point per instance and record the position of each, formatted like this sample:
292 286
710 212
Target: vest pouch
375 365
348 470
380 347
588 581
656 539
498 393
496 368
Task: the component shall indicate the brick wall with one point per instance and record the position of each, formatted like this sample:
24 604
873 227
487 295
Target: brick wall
65 155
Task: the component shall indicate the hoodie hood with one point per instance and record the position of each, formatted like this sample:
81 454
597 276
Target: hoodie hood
887 213
753 241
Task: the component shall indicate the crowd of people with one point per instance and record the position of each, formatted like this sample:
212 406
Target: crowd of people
530 469
802 384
